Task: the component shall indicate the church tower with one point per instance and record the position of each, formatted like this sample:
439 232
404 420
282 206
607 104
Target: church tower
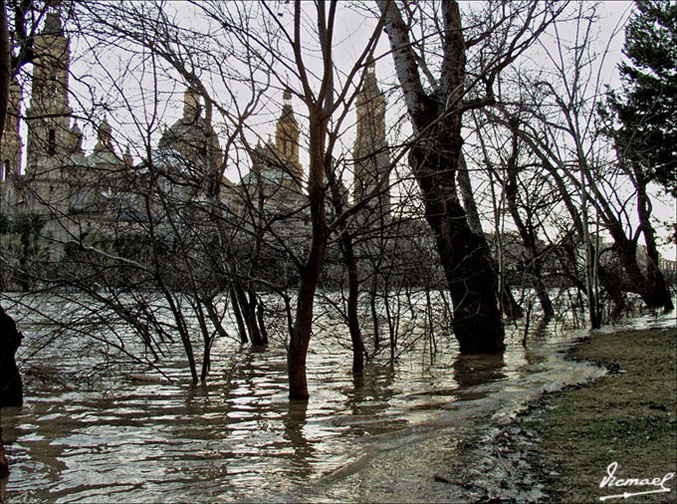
371 150
287 140
48 117
10 150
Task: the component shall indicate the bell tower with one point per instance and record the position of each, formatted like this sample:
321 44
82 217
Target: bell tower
48 117
287 140
371 149
10 150
191 105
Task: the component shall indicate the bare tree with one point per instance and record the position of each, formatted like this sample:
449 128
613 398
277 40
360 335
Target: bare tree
557 120
437 118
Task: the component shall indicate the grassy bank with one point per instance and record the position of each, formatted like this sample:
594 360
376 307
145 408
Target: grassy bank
628 417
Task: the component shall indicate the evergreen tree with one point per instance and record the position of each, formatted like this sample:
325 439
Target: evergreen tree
646 108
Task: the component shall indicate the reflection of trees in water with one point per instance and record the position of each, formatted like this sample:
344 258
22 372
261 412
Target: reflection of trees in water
294 422
472 370
371 390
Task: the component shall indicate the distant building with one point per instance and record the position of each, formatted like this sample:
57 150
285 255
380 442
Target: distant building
371 149
75 194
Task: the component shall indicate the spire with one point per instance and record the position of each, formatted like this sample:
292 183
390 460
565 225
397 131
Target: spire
49 116
287 110
105 135
370 85
127 157
191 104
76 135
52 24
370 151
104 131
287 139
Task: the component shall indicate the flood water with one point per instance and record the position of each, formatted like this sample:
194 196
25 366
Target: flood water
238 438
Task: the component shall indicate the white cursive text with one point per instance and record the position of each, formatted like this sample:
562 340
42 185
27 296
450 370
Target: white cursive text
610 480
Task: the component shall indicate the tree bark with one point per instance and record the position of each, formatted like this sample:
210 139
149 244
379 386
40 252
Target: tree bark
353 299
465 256
241 329
434 158
350 261
310 274
511 307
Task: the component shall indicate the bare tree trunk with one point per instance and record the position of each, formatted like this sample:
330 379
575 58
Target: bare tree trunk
353 298
248 311
526 232
507 302
348 252
434 159
658 293
310 275
465 257
300 338
261 321
235 303
374 313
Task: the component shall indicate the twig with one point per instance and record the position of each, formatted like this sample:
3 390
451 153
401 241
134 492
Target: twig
500 459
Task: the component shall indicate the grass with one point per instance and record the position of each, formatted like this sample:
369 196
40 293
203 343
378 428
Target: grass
628 417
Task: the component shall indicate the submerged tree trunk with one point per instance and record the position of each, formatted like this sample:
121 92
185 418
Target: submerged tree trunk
300 338
310 273
434 159
465 256
350 261
509 304
11 388
353 300
241 328
247 310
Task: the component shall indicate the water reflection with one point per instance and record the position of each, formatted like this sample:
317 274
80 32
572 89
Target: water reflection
294 423
470 370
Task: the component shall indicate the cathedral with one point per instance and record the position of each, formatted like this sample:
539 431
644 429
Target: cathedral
105 192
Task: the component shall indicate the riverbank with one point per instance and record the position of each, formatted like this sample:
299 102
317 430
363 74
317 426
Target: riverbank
555 447
571 437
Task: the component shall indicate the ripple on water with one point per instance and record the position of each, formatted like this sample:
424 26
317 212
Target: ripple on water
238 437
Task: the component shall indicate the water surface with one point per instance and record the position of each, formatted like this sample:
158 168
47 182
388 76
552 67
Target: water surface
131 438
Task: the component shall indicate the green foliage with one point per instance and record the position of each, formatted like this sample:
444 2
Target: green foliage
647 105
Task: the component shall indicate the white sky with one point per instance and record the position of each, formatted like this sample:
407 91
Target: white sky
353 29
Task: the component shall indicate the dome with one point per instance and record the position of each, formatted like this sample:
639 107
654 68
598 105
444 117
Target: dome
192 135
102 157
193 138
